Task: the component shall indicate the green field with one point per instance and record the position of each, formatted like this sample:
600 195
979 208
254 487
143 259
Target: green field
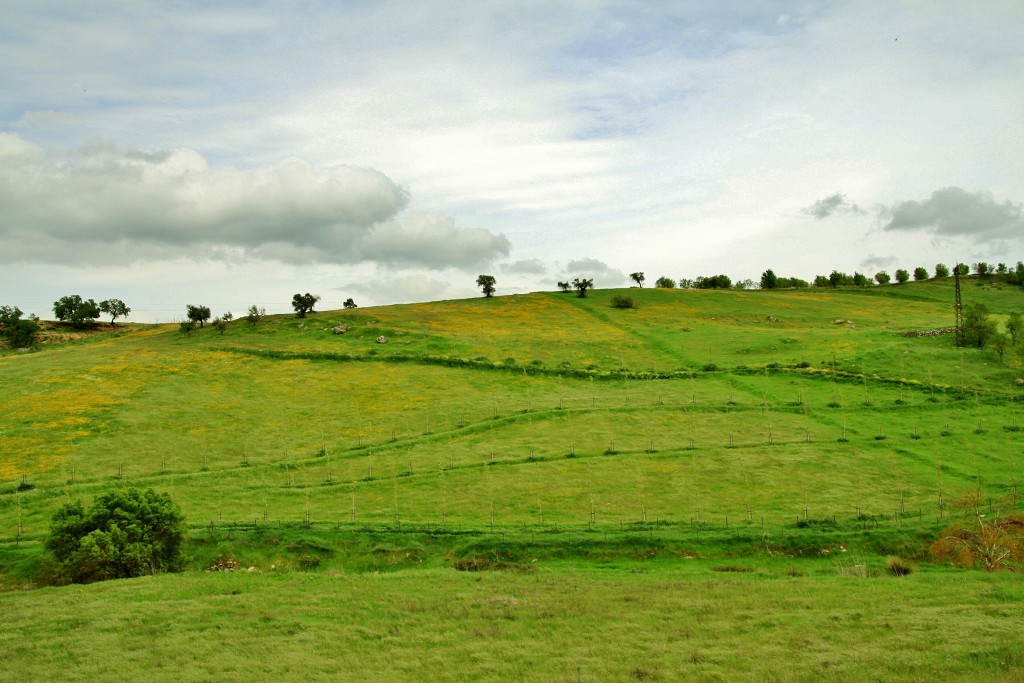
704 487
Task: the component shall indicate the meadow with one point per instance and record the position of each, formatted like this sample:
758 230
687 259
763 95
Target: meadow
705 486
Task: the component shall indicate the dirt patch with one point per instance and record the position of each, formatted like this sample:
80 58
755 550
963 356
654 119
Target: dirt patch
51 332
481 563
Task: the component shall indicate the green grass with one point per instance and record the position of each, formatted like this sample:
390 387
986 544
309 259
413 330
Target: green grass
329 423
571 447
684 622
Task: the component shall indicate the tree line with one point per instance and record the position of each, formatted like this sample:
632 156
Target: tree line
82 313
72 309
1000 272
302 304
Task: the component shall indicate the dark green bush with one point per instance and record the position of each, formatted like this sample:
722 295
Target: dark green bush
125 533
620 301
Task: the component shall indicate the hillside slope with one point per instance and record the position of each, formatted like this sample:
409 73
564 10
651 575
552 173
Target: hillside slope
704 487
475 404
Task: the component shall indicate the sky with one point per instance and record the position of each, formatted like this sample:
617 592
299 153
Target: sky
236 153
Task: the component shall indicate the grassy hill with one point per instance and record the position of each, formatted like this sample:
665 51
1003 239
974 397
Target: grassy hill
740 440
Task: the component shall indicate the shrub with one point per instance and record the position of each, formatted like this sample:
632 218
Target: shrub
125 533
994 540
620 301
20 333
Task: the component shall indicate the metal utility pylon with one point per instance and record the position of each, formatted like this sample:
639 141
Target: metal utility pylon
958 308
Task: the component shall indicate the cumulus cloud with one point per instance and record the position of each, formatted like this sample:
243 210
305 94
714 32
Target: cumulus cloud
432 240
603 274
833 204
410 288
136 205
955 211
527 267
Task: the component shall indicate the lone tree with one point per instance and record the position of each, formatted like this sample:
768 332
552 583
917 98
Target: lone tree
582 285
349 303
197 314
115 308
941 270
882 277
486 283
126 532
1015 328
564 286
303 303
76 310
19 332
255 313
665 283
978 327
902 275
638 277
920 273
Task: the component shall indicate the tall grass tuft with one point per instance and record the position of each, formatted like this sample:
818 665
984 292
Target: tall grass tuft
897 566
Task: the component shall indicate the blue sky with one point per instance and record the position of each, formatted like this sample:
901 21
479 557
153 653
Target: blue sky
237 153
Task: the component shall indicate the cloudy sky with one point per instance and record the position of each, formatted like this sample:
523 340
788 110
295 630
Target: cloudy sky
234 153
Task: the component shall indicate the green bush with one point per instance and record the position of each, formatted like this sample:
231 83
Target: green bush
620 301
125 533
20 332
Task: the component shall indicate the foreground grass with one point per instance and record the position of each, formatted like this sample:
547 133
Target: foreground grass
689 622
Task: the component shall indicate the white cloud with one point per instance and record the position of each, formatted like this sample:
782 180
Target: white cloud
432 240
382 288
602 274
525 267
131 205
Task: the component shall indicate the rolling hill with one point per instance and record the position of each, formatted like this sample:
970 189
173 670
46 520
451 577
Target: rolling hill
784 440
